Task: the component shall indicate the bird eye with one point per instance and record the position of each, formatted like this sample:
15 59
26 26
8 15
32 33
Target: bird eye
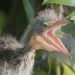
46 24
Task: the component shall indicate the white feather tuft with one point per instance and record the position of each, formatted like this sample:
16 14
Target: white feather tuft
47 14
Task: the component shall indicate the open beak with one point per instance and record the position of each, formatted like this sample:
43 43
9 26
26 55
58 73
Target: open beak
50 41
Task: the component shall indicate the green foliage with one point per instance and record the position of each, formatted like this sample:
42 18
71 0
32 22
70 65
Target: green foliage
67 70
29 10
69 29
39 71
62 2
2 20
71 16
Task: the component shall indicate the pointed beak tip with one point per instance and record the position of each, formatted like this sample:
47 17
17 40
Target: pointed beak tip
70 57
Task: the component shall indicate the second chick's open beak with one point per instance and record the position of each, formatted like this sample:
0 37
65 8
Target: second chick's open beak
49 41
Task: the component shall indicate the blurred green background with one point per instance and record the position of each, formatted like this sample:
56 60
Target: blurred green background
15 15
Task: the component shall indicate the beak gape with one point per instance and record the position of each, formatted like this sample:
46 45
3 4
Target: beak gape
52 40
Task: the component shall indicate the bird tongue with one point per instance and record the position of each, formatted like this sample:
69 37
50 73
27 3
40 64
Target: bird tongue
50 37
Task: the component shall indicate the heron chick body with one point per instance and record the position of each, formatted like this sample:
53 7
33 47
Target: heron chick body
17 58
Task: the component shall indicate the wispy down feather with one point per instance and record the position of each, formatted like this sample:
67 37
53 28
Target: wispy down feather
8 42
47 14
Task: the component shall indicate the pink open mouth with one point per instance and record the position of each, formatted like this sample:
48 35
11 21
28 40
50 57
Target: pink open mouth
52 40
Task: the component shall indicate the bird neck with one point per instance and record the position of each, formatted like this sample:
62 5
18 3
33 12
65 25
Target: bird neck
29 40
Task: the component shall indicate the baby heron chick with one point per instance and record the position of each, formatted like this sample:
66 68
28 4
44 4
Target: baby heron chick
17 58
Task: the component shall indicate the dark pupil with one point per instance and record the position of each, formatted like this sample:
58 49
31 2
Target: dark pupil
45 25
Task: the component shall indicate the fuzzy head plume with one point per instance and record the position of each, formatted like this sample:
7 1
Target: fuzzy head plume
47 14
